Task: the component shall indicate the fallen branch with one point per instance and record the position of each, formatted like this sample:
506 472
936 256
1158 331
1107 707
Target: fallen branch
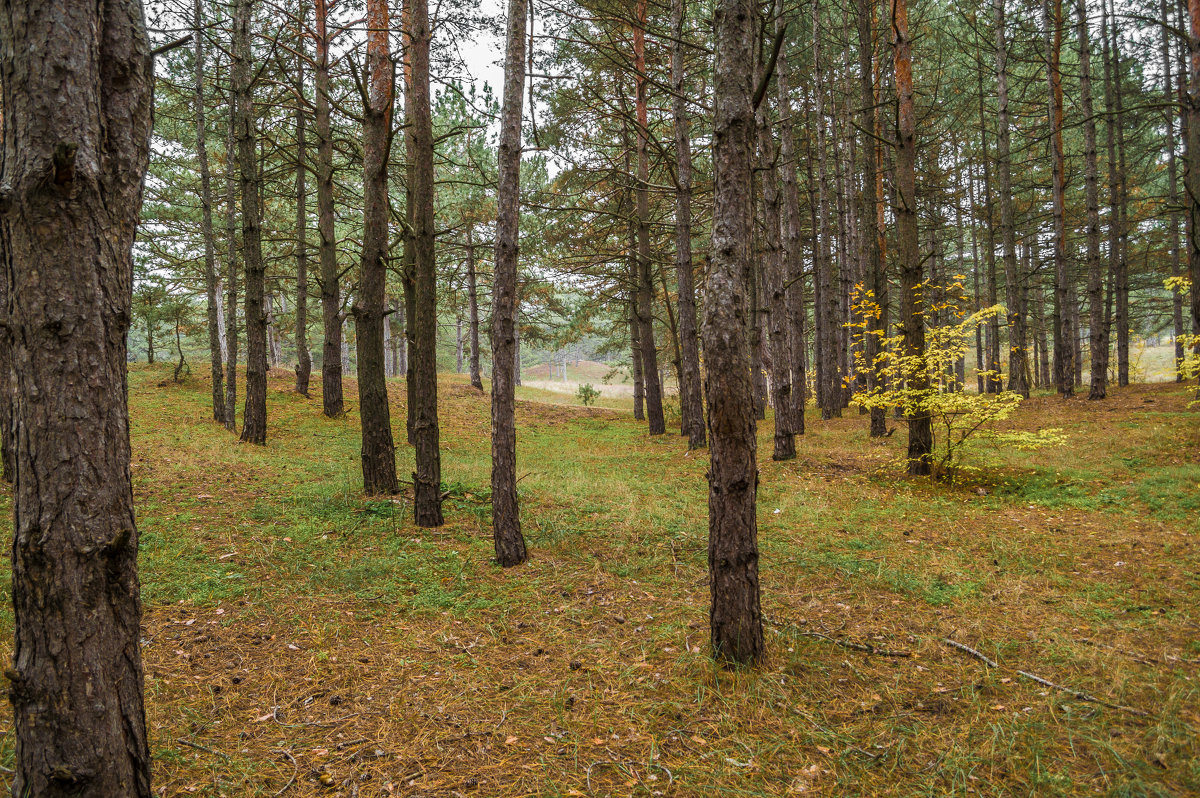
295 772
991 663
866 648
1077 694
203 748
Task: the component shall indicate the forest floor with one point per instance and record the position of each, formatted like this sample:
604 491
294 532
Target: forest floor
302 640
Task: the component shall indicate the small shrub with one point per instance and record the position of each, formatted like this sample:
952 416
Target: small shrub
587 394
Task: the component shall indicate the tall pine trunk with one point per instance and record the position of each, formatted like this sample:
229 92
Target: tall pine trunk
427 481
1064 358
76 80
211 281
691 407
1018 336
370 306
254 417
506 519
793 253
1192 160
332 403
473 309
233 269
1095 288
303 356
735 615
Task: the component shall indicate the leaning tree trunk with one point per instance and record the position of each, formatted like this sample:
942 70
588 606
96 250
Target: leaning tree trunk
691 404
506 519
427 480
77 80
1018 352
1095 286
645 284
332 403
254 417
303 357
912 310
735 616
370 306
211 283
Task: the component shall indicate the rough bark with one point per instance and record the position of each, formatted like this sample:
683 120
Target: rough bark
735 615
506 519
691 403
211 282
427 481
332 403
370 306
254 416
1171 118
829 387
1121 264
77 80
912 311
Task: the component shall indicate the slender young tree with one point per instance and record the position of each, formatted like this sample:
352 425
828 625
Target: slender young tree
793 247
1192 160
232 270
506 518
427 481
1095 288
303 357
735 615
211 284
691 407
645 283
77 82
473 307
870 254
1018 352
332 403
1064 370
912 301
370 305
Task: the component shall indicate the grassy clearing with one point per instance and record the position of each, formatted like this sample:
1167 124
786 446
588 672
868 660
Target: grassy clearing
313 642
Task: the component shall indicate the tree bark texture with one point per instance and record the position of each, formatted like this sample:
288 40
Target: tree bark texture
506 519
211 283
735 615
332 402
77 81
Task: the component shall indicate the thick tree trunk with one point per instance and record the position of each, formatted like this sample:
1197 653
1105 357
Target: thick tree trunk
211 281
303 357
1095 288
912 310
645 285
427 481
254 417
77 81
332 403
1018 351
735 615
473 309
691 403
506 518
370 306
